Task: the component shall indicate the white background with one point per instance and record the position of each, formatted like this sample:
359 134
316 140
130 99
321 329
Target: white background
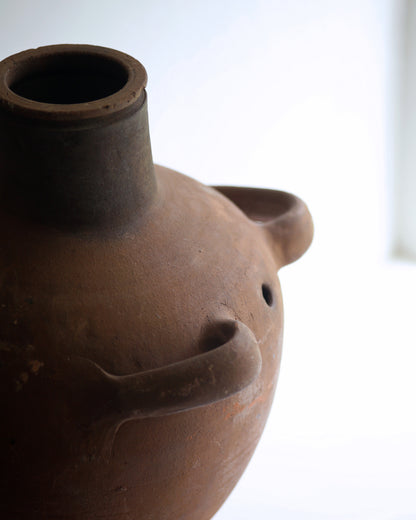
299 95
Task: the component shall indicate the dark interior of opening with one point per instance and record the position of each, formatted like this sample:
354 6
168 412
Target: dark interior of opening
267 294
69 79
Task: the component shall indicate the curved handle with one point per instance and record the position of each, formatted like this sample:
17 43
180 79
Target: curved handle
282 216
194 382
291 231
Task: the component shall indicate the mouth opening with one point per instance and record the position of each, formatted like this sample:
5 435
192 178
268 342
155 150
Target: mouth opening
71 84
67 79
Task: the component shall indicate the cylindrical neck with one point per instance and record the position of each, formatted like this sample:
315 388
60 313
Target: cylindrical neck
67 158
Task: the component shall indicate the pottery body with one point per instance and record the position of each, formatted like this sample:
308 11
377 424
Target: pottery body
140 340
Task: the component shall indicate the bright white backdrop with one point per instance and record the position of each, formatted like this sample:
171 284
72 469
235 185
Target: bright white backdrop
302 96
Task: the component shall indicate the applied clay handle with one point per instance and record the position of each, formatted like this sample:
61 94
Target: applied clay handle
283 217
198 381
291 231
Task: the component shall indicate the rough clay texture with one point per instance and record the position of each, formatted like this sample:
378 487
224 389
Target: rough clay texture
138 366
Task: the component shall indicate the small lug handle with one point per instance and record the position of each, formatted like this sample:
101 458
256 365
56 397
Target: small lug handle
283 217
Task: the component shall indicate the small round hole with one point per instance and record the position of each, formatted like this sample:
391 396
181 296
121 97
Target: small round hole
267 294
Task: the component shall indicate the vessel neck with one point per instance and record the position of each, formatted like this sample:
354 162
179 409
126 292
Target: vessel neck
68 157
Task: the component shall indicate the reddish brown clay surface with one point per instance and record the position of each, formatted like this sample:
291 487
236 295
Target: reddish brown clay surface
140 311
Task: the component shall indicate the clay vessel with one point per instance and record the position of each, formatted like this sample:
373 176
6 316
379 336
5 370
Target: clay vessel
140 311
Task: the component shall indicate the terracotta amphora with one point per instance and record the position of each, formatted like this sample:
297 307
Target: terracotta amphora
140 311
